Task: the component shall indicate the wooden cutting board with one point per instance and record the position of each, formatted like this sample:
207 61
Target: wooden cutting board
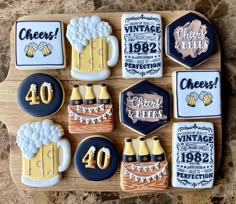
12 115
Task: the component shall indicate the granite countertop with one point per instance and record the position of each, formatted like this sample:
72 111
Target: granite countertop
221 12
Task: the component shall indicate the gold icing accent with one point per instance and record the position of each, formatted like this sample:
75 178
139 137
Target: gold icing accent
91 55
80 62
32 95
30 169
107 159
49 98
88 159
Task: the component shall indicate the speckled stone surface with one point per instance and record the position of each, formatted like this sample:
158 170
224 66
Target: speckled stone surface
221 12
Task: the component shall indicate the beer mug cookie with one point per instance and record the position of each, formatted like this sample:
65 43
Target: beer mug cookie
96 158
90 109
144 166
44 153
190 40
39 45
94 49
141 35
144 107
40 95
197 94
193 155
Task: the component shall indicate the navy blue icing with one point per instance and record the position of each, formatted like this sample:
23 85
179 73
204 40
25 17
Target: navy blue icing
144 127
172 51
40 110
96 174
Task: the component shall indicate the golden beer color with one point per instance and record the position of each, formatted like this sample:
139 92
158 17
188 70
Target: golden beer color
75 98
44 165
46 50
104 96
191 101
143 152
30 51
129 154
93 58
207 99
89 95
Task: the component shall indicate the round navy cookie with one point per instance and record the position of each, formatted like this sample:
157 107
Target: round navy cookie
43 104
190 40
94 172
144 107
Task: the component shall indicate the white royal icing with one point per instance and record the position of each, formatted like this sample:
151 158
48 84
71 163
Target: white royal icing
193 155
197 94
40 45
81 30
33 135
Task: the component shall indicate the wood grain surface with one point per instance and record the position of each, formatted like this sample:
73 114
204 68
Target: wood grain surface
130 185
12 115
75 126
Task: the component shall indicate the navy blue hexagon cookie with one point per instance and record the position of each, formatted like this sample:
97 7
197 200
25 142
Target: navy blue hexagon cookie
190 40
144 107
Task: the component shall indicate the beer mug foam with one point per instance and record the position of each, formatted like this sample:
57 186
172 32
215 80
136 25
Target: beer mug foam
44 154
94 49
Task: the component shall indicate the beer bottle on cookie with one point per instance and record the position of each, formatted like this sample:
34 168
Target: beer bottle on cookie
89 95
129 153
143 152
75 98
158 153
104 96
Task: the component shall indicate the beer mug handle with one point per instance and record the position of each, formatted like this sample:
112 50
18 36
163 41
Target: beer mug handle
65 145
115 50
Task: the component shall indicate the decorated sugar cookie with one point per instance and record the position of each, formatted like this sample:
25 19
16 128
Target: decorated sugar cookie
96 158
39 45
90 109
141 35
144 107
197 94
44 153
40 95
193 155
94 49
144 166
190 40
